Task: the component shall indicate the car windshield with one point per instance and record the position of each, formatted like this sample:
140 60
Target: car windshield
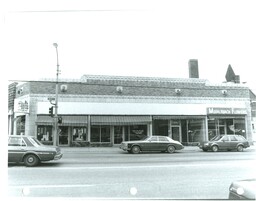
216 138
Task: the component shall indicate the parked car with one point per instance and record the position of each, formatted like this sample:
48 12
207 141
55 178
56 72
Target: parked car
28 150
153 143
243 190
225 142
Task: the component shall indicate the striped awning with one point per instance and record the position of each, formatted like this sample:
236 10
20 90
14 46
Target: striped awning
45 120
120 120
66 120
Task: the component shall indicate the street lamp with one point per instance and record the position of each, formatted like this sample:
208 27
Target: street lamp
56 136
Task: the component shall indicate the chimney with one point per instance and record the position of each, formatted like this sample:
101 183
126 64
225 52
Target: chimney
193 68
231 76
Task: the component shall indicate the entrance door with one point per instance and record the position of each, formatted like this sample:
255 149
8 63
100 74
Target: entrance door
176 133
63 135
118 134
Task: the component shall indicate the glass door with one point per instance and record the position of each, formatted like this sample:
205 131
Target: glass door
118 134
176 133
63 135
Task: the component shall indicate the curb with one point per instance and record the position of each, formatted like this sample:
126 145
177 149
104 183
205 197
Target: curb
110 149
117 149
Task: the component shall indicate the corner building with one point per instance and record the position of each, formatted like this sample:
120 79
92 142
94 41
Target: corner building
105 110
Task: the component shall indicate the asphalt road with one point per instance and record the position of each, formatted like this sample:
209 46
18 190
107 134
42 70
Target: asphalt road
118 175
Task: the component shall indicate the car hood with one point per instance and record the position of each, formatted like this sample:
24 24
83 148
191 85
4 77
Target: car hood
248 188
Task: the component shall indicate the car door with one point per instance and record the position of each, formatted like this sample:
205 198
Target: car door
163 143
152 144
224 142
233 142
16 149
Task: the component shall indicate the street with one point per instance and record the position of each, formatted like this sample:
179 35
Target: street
116 174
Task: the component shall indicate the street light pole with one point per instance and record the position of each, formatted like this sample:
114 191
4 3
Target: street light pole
56 136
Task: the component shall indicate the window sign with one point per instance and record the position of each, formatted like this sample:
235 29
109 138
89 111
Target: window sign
21 106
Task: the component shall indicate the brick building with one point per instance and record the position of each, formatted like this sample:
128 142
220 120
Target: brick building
105 110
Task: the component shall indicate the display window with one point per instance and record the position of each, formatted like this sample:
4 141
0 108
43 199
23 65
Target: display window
100 134
79 134
196 130
44 134
160 127
227 126
20 125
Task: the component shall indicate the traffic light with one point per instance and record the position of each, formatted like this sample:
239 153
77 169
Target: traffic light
59 120
51 111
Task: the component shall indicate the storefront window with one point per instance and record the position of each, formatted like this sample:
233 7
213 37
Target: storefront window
212 129
44 133
196 130
20 125
105 134
160 127
100 134
226 127
79 134
137 132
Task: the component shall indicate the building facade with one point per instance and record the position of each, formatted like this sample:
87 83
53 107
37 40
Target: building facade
106 110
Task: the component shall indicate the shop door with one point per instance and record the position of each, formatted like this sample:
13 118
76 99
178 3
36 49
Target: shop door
118 134
63 135
176 133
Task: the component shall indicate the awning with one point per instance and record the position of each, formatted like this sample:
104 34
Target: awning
66 120
172 117
45 120
120 120
74 121
226 116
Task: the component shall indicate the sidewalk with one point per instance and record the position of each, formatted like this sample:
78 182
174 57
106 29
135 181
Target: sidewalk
115 149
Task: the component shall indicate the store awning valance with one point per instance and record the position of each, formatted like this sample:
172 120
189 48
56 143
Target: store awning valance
172 117
44 120
74 120
212 117
120 120
66 120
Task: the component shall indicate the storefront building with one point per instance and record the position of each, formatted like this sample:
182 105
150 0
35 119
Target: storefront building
106 110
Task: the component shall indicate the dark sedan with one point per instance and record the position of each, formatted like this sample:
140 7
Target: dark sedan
153 143
243 190
29 150
225 142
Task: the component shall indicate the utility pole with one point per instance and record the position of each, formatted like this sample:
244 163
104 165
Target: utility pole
56 135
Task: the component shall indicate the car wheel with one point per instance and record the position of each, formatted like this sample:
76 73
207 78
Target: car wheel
135 149
31 160
205 149
215 148
240 148
129 151
170 149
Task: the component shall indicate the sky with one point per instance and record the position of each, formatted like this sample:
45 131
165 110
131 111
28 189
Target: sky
150 38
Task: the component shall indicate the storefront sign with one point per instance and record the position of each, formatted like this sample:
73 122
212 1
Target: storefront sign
21 106
215 110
